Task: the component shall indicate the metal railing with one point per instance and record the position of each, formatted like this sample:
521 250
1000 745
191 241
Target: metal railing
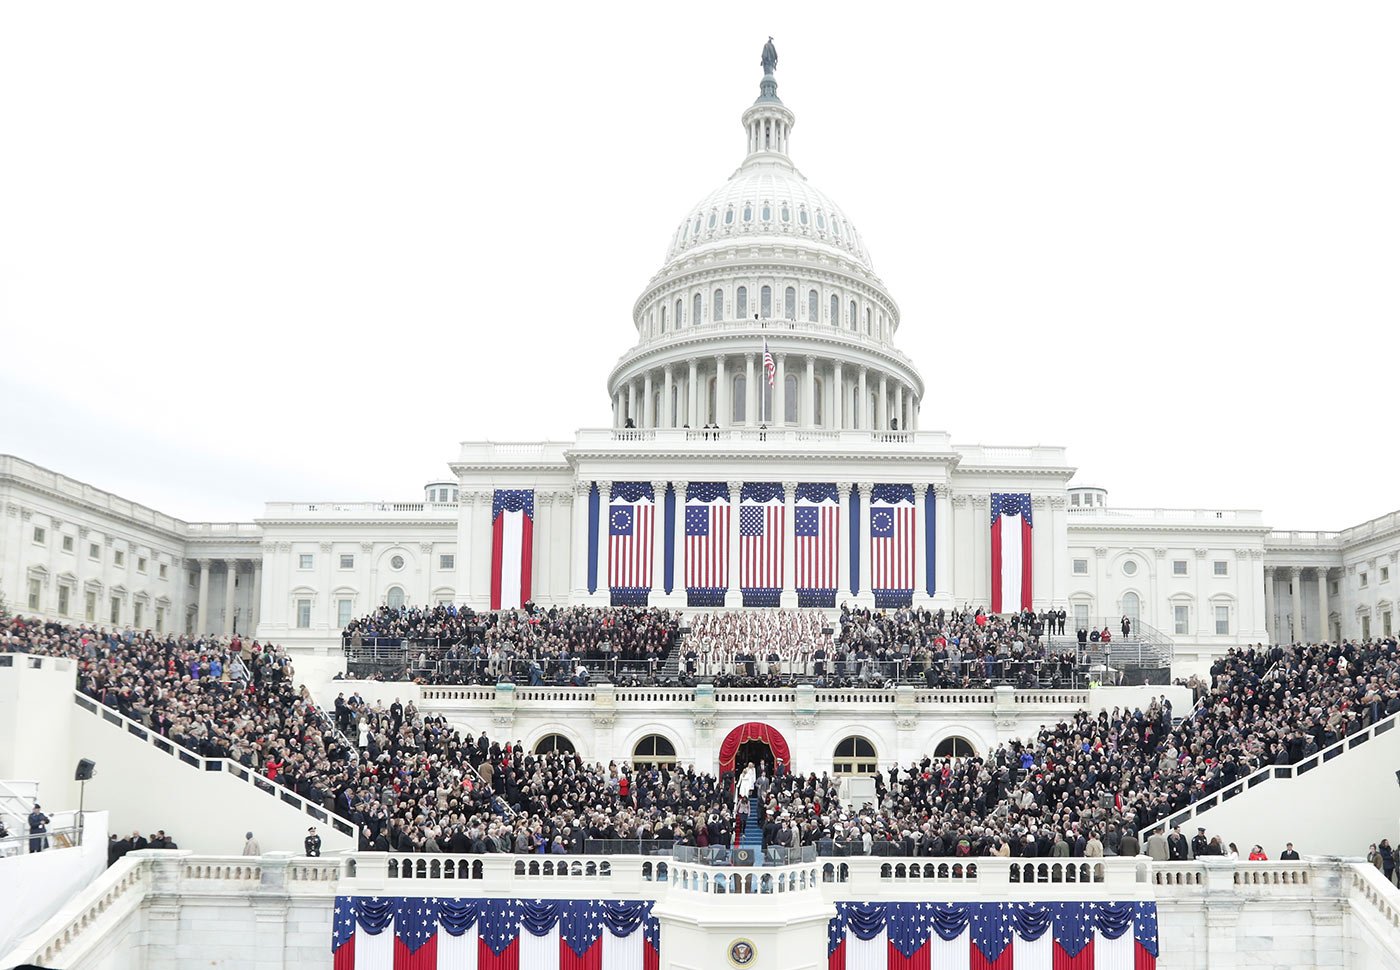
61 837
226 766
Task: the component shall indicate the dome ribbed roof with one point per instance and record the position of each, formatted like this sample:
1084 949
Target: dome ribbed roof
768 201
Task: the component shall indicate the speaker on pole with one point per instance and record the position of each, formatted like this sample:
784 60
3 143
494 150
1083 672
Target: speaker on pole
85 768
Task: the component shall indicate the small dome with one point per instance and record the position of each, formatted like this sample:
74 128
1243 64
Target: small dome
768 200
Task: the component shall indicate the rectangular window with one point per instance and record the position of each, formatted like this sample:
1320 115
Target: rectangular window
1364 580
342 613
39 534
63 593
303 614
94 551
67 543
115 616
305 560
1081 567
1385 623
140 564
34 592
1385 574
1081 616
119 557
347 560
1221 567
1178 567
1181 617
1365 628
1333 584
90 607
164 573
136 610
447 561
160 619
1222 620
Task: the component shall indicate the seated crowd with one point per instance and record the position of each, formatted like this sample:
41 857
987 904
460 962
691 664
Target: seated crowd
415 783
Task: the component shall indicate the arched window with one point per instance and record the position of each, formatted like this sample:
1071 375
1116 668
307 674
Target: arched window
663 319
765 302
713 219
867 319
748 212
551 743
394 598
711 414
790 303
695 310
813 306
790 399
741 303
821 220
802 215
680 307
654 750
717 306
737 404
955 747
1132 608
654 421
676 416
767 214
729 216
697 224
785 213
850 316
855 756
835 310
836 226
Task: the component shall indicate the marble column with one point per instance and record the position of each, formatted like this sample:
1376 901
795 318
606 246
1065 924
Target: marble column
255 612
231 565
843 541
202 617
734 597
882 415
721 415
678 543
579 552
913 413
789 594
750 398
899 407
1295 580
1324 609
862 418
779 405
692 394
809 398
632 404
668 411
658 531
1270 621
540 588
604 497
838 413
865 596
920 542
943 541
648 416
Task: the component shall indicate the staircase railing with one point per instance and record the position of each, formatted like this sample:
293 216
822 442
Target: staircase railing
1269 772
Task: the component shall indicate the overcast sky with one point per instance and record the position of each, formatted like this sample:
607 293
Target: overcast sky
295 250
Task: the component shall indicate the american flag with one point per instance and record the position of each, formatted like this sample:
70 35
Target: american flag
892 546
770 369
430 933
761 532
631 537
817 525
994 936
706 542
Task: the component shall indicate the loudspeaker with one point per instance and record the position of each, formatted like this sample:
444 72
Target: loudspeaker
84 772
743 857
1397 777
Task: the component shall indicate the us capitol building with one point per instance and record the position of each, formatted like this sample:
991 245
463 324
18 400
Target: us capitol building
830 440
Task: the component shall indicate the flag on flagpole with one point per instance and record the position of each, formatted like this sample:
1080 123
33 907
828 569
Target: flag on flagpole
706 543
770 369
762 521
892 545
817 528
1012 574
512 539
994 936
631 543
430 933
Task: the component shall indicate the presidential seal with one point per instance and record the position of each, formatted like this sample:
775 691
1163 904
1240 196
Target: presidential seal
741 953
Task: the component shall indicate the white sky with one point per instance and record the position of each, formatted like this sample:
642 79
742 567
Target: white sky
270 251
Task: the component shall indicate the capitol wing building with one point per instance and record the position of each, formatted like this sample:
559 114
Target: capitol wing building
766 449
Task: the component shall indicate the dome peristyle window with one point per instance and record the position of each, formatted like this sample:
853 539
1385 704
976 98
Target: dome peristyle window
821 220
729 216
748 213
767 214
786 214
713 219
802 215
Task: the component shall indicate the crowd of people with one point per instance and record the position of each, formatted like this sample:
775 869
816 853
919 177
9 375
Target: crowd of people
415 783
119 845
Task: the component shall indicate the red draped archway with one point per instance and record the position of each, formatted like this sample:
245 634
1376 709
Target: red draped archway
753 731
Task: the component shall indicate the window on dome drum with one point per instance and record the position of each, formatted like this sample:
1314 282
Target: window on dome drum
851 316
765 302
868 331
1222 620
1181 619
1178 567
695 310
717 306
737 408
748 213
653 750
663 319
741 303
1221 567
785 213
394 597
713 219
710 413
854 756
836 227
821 220
696 230
767 214
802 216
790 303
955 747
554 743
835 310
813 306
729 216
790 399
679 307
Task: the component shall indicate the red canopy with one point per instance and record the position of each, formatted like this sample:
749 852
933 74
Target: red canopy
753 731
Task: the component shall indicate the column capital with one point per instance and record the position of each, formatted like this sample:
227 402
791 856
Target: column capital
790 489
232 564
865 489
669 368
1293 571
735 487
204 564
843 489
1269 571
811 361
658 489
680 487
719 358
583 488
694 362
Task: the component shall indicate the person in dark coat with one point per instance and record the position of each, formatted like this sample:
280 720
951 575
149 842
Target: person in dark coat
312 843
38 825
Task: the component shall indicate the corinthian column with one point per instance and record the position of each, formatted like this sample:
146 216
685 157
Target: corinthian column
789 594
734 597
865 596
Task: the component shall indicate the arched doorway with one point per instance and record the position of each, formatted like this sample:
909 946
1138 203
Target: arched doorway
756 742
